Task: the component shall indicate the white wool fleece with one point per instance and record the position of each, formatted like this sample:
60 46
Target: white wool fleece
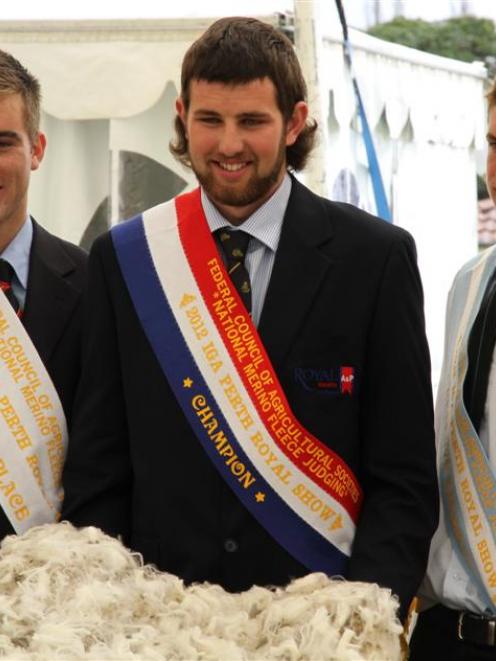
79 594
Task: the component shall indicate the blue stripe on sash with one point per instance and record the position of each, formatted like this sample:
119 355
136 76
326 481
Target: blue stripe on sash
177 362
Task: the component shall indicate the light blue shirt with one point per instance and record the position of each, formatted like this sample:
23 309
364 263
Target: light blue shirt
17 255
264 226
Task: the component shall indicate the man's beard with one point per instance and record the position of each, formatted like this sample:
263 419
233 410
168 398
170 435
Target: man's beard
256 188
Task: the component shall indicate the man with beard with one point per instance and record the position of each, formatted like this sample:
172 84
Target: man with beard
256 401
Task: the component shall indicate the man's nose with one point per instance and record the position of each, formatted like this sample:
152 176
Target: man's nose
231 141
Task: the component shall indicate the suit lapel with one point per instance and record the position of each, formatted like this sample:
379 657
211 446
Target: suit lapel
299 268
50 297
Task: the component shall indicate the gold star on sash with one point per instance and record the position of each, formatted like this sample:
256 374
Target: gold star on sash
187 383
260 497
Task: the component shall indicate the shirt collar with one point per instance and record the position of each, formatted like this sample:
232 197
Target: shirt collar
18 251
265 224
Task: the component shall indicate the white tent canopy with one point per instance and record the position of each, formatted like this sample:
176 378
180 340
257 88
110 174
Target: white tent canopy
101 69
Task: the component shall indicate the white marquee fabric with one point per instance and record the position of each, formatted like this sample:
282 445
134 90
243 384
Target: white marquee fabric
101 69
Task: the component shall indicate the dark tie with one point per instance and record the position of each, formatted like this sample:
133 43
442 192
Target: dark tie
6 273
480 352
234 244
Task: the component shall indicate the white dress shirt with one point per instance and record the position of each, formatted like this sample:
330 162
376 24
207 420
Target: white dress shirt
264 226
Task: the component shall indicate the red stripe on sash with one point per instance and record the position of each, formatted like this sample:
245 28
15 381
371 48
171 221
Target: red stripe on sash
252 362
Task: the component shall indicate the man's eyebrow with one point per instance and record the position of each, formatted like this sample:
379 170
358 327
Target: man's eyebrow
242 115
206 111
10 134
490 136
253 114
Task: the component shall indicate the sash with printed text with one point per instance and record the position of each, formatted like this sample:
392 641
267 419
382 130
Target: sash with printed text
210 352
468 485
33 429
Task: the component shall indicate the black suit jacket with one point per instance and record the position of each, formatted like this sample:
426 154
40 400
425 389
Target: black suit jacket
53 316
345 291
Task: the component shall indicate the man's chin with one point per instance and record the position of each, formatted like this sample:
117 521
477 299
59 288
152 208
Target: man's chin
242 193
236 195
239 195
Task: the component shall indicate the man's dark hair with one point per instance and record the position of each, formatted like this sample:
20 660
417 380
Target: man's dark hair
236 51
16 79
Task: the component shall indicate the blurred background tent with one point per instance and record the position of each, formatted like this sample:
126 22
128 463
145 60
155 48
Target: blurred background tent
109 88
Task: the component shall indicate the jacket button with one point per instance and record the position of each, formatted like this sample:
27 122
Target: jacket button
230 545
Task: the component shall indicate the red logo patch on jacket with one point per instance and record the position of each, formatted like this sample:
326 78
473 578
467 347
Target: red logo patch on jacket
347 378
329 380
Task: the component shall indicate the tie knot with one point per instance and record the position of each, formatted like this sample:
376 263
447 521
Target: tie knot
234 244
6 272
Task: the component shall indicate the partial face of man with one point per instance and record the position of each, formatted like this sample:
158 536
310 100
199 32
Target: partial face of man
237 139
491 155
18 156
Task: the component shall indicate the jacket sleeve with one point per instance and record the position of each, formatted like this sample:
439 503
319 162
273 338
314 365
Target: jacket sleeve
97 476
400 511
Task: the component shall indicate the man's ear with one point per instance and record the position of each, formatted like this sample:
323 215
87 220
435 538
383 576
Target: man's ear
296 123
181 111
38 150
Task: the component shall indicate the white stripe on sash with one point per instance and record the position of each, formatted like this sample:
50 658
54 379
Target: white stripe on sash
176 278
33 429
468 517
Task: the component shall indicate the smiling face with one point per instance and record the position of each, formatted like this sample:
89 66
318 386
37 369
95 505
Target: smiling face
237 139
18 156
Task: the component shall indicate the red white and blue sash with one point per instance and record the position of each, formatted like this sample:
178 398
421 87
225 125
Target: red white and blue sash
209 350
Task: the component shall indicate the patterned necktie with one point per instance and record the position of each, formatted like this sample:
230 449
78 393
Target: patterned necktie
6 273
234 244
